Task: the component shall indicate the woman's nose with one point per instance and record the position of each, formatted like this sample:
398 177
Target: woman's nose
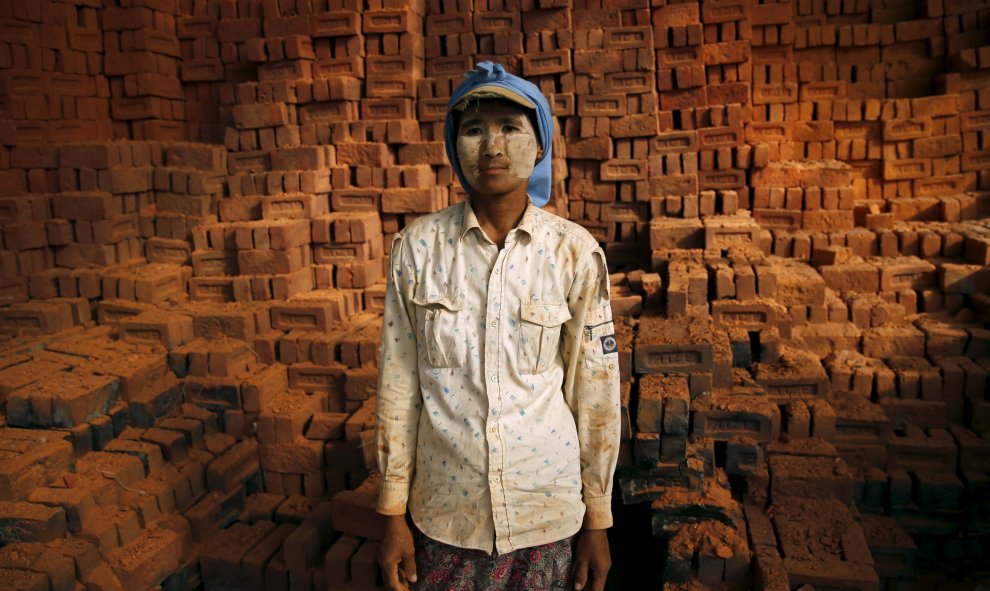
494 144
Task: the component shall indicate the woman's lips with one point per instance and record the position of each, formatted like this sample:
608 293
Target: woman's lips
495 170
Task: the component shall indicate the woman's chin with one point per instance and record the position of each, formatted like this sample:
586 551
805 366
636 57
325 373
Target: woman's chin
497 189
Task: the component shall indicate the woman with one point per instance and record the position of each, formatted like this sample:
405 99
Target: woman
498 394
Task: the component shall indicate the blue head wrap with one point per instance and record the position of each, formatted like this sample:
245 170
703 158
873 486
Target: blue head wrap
492 74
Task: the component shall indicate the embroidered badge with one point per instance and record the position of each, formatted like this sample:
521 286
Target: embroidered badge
608 344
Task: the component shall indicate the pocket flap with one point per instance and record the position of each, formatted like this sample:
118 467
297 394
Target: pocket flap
545 314
433 302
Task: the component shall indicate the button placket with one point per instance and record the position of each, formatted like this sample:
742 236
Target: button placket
493 337
493 362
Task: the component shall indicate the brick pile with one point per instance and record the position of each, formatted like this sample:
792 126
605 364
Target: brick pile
792 195
149 456
53 82
614 107
142 64
105 211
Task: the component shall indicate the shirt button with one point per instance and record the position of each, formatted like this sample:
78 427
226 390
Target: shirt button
494 429
494 323
611 366
497 270
494 378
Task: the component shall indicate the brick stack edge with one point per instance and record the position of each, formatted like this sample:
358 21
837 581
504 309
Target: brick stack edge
197 200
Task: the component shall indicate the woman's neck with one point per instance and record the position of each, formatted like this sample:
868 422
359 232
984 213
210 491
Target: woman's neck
498 215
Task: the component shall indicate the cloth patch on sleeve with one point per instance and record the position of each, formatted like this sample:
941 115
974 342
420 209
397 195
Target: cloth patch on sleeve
608 344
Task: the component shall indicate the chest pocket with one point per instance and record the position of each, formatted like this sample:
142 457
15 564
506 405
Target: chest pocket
440 332
539 335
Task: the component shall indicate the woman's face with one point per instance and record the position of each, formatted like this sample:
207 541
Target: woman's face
497 147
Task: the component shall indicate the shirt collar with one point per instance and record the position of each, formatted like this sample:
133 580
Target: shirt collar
527 224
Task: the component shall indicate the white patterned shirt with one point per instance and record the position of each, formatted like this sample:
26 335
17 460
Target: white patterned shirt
498 393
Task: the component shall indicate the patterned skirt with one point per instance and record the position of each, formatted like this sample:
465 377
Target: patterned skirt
440 567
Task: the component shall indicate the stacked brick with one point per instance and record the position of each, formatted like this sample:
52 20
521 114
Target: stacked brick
251 261
142 64
771 350
113 489
53 84
81 232
394 171
879 392
297 153
211 38
848 562
347 251
791 196
286 455
189 186
611 118
705 66
166 441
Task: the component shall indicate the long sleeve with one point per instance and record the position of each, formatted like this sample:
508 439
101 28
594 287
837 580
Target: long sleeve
399 397
591 385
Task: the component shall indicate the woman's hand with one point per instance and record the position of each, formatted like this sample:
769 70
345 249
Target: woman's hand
591 557
398 555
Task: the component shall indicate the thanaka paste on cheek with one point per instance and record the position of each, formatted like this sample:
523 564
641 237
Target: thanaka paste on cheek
468 152
521 148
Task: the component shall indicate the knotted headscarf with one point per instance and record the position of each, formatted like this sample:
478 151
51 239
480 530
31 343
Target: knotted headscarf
493 78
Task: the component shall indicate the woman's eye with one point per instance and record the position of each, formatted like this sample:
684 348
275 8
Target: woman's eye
472 131
511 128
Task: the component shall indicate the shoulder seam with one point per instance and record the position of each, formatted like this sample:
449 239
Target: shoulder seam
573 230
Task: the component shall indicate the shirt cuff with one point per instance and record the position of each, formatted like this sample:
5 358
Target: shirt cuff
393 497
598 512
